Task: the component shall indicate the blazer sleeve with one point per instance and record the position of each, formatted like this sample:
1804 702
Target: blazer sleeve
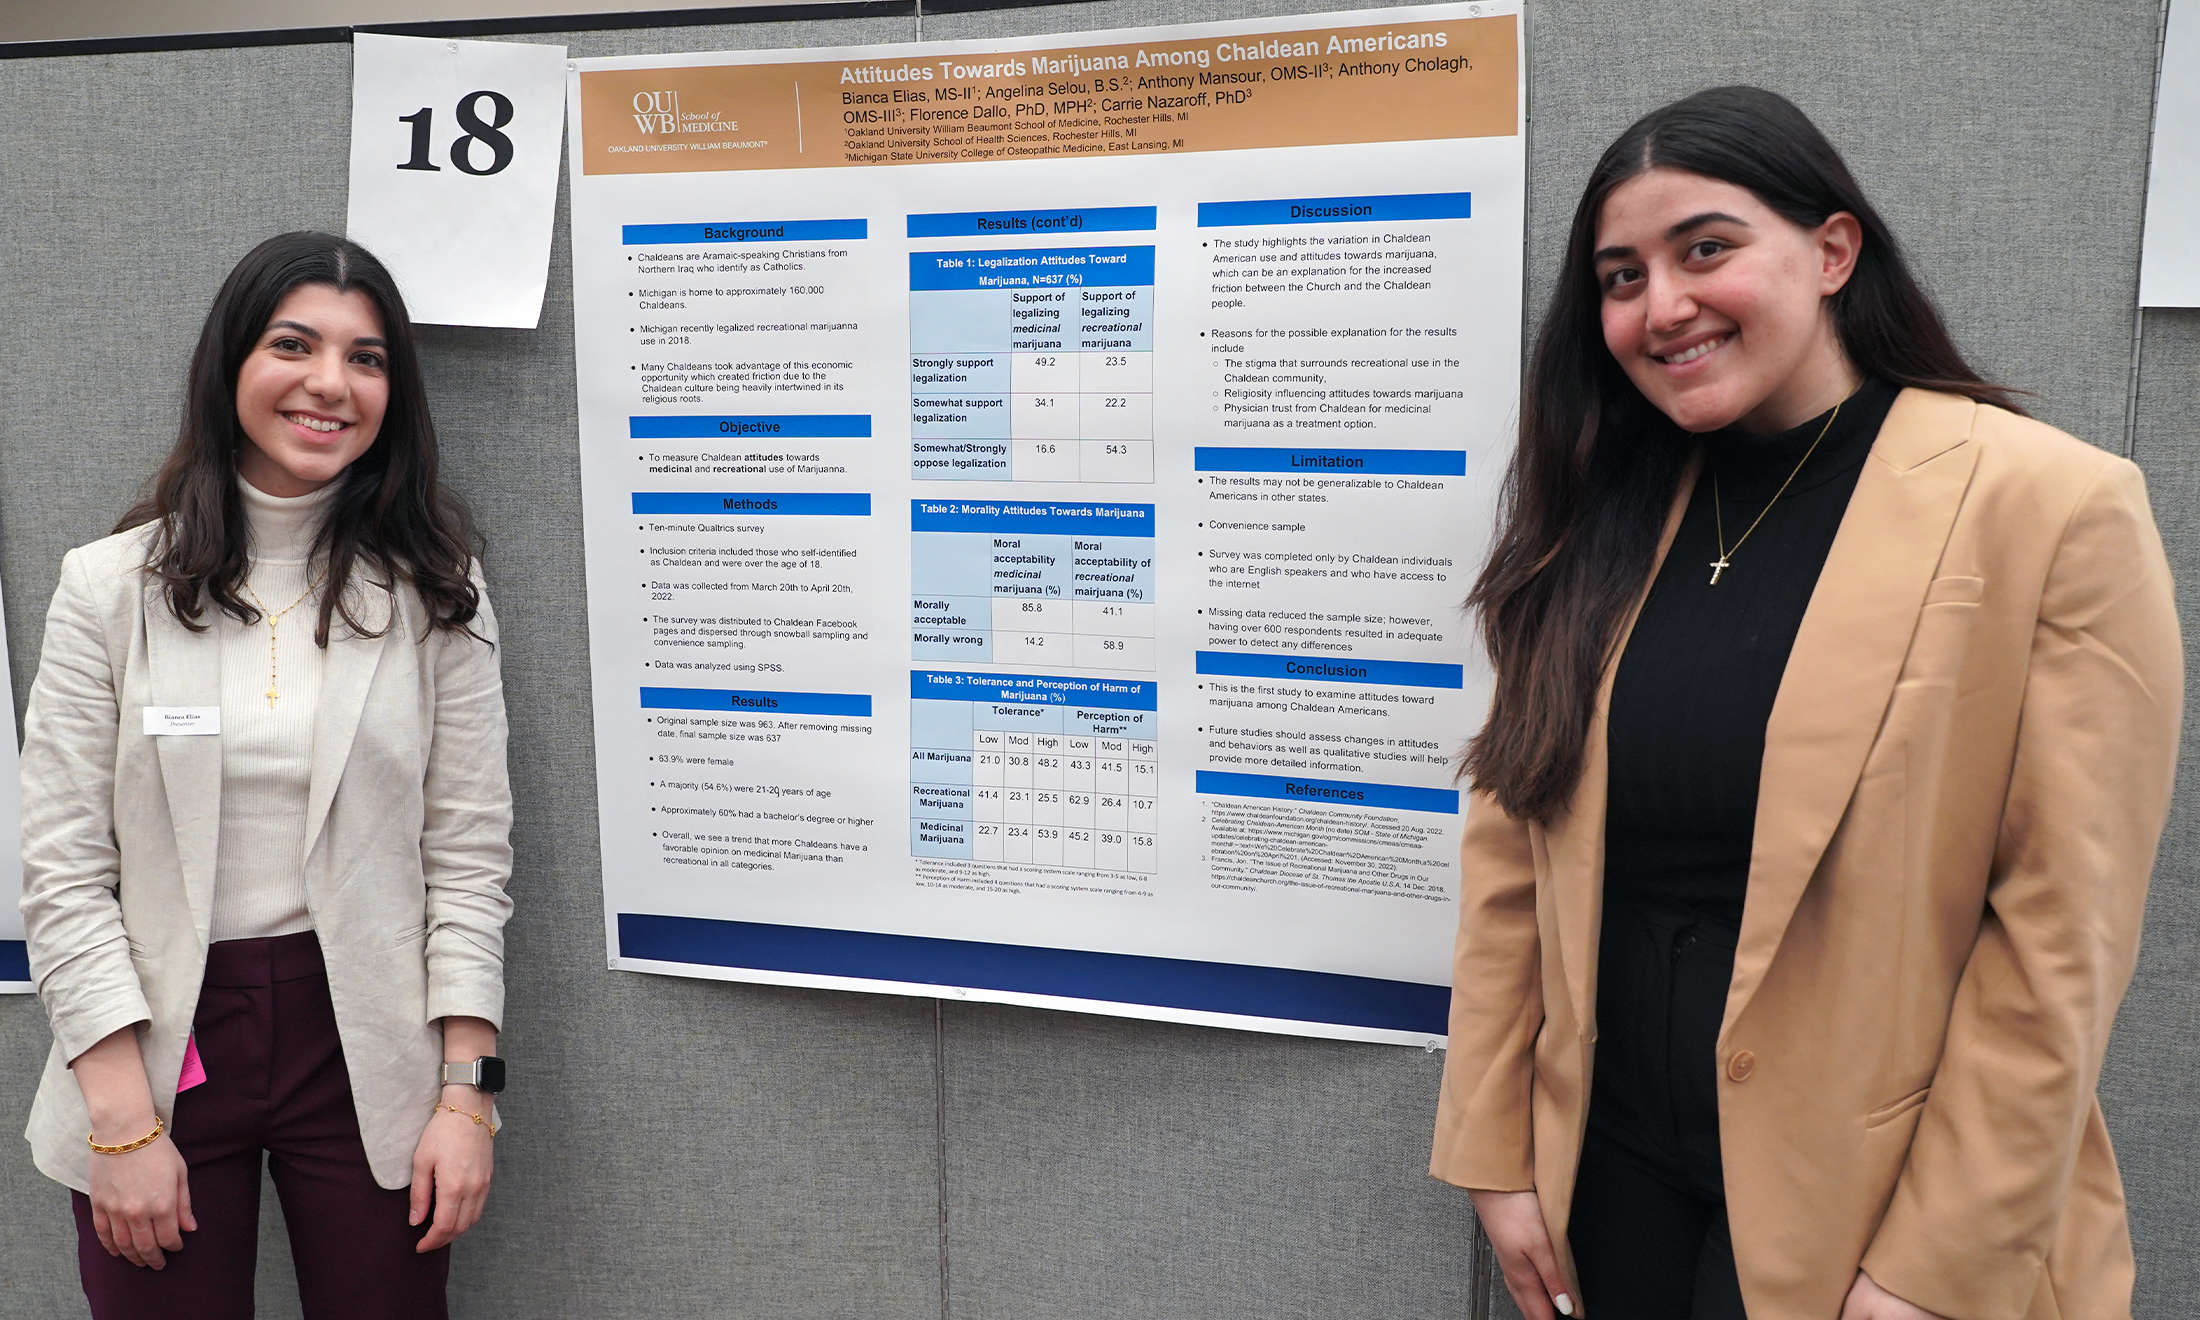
1979 1202
72 918
466 833
1484 1136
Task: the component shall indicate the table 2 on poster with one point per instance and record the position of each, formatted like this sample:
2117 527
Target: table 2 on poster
1106 424
1030 582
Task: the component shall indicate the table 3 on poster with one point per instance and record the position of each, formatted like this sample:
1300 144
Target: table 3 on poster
1035 769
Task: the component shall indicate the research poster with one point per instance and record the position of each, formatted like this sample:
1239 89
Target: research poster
1029 489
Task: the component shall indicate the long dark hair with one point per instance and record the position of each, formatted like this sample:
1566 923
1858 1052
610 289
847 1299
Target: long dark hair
390 514
1597 465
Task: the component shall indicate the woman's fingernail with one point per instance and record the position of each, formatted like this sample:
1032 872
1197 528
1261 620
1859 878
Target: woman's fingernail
1564 1304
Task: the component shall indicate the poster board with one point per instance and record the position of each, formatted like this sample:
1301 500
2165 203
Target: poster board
1028 490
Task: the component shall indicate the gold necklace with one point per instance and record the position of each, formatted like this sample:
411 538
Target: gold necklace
1726 552
273 618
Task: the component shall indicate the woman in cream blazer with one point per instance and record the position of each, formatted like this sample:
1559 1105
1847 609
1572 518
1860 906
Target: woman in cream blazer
1964 774
403 842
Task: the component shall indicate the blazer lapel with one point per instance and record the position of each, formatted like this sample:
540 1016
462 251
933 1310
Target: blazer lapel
185 669
1575 842
1848 654
346 676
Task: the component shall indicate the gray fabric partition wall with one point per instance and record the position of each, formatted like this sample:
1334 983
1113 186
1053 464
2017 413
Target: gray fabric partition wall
693 1148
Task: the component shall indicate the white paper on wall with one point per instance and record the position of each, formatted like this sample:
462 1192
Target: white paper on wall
2169 259
14 966
454 172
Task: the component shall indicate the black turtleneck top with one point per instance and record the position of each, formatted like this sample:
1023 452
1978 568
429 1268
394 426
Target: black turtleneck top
1685 746
1695 686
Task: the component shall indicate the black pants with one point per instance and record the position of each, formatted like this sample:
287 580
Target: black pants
1649 1230
1650 1242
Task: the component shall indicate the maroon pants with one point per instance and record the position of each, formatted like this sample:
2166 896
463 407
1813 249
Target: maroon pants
275 1082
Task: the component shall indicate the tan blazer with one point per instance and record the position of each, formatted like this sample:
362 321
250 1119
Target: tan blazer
408 822
1965 774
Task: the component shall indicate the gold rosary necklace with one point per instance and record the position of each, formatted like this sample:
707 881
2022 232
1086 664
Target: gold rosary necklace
273 618
1726 552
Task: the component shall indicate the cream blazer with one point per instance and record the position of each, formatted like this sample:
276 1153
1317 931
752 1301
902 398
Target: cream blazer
408 823
1965 775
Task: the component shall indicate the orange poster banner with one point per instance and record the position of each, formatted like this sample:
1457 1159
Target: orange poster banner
1393 82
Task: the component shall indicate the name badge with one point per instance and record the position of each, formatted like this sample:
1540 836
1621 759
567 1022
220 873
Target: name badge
183 719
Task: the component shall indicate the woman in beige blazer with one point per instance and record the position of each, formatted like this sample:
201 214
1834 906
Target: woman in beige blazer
265 828
1836 712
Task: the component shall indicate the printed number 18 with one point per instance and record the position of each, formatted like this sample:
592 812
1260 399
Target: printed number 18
469 118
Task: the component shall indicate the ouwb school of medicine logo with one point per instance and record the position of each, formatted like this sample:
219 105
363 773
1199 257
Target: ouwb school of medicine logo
658 114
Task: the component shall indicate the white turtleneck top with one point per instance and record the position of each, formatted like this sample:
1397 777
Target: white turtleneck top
267 749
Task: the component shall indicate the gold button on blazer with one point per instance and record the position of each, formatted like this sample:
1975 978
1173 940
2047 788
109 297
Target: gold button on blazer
1965 775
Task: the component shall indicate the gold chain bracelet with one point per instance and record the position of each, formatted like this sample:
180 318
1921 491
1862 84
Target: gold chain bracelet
456 1110
128 1146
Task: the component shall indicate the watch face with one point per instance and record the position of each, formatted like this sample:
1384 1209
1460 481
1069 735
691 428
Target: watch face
492 1075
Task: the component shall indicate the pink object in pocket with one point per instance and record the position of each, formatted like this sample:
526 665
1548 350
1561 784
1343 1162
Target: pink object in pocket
194 1072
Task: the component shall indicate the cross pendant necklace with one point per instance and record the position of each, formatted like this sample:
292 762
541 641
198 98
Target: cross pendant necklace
274 619
1718 515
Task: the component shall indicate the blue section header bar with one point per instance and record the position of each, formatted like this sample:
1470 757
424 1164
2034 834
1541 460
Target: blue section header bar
744 231
1377 462
810 426
1031 268
1032 690
767 703
1035 518
1337 210
1333 792
1086 220
1109 978
694 502
1329 669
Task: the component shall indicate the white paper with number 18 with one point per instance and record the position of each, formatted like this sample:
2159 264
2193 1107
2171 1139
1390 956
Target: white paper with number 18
454 172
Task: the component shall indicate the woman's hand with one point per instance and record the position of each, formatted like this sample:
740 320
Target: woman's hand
141 1202
1868 1301
1514 1223
451 1167
452 1163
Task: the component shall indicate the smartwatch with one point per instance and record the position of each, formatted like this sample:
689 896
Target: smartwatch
485 1074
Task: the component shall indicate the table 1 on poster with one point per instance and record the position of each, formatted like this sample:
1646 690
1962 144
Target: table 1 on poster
1107 424
1032 364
